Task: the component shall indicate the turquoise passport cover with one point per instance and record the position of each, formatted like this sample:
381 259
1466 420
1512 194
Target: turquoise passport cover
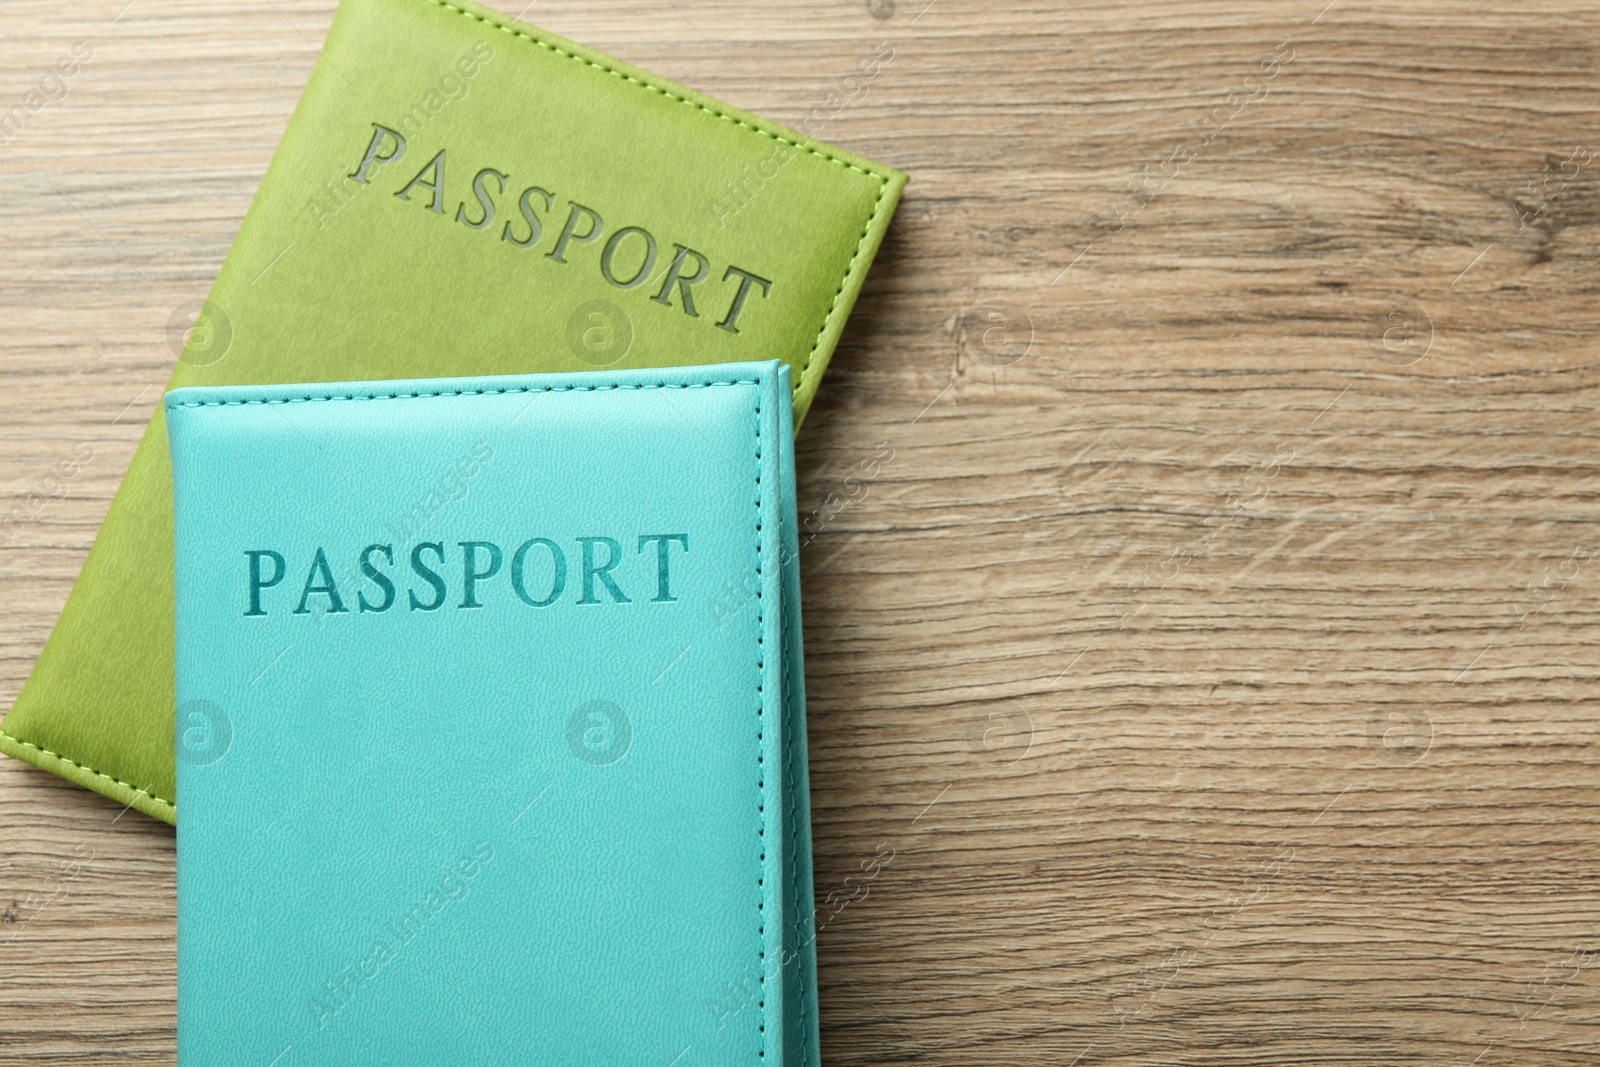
491 726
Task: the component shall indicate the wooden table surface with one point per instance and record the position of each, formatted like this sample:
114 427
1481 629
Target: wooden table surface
1214 652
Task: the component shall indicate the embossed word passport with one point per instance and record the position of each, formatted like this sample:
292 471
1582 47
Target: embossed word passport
515 785
459 193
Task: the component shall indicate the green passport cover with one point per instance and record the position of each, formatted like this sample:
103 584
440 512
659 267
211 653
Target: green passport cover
460 193
520 788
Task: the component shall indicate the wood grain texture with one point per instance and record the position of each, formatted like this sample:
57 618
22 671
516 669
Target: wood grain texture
1213 642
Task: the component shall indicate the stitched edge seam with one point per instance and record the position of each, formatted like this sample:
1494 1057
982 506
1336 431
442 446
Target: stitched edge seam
308 398
794 834
761 770
883 183
849 270
139 790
